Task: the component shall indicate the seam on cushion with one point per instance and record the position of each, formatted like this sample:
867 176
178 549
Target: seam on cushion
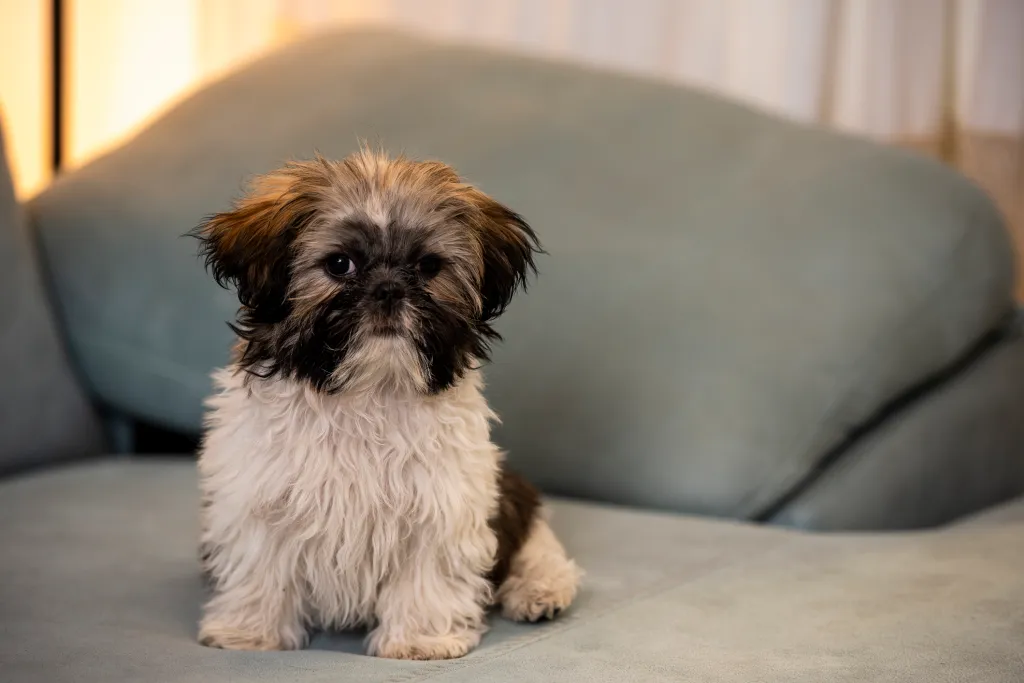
888 412
55 313
570 622
792 486
786 483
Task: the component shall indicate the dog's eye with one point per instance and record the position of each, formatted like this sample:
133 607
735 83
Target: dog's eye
430 265
339 265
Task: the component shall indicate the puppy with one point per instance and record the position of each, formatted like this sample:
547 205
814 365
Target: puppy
347 473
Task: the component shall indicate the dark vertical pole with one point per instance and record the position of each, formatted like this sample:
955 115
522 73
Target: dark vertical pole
57 86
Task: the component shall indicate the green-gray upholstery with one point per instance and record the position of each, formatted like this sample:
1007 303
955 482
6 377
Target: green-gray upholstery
44 415
99 584
737 316
729 299
963 441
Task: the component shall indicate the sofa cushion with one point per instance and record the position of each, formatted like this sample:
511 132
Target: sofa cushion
727 295
957 448
44 415
99 574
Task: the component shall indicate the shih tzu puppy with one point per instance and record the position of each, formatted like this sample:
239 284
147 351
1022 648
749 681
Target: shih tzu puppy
348 478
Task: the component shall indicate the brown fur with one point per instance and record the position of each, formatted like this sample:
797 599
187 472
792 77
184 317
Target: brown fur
518 505
273 244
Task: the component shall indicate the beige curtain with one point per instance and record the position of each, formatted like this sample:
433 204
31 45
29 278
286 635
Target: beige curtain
943 76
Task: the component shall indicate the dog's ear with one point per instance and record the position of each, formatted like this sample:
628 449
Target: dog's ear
250 246
508 246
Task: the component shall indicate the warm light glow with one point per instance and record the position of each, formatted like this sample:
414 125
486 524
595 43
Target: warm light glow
130 59
25 91
878 69
125 59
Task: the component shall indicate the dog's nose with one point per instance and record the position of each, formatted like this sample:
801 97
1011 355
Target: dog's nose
389 292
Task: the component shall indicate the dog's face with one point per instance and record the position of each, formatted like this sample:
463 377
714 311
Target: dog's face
368 273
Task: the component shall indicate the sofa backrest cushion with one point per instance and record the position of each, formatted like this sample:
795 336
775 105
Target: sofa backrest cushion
726 295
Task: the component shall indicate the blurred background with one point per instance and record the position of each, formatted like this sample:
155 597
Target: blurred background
942 76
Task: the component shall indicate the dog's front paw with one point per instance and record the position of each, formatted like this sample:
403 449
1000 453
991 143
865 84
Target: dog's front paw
214 633
422 647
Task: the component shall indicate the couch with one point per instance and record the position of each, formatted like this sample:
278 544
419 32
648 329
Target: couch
770 378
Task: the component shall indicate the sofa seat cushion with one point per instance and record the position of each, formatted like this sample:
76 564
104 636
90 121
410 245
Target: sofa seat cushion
726 297
99 582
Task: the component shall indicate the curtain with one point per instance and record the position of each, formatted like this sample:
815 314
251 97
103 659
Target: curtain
945 77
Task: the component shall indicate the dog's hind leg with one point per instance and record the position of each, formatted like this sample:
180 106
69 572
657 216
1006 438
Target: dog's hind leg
542 581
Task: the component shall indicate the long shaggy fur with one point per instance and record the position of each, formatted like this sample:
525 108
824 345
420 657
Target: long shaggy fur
347 473
272 244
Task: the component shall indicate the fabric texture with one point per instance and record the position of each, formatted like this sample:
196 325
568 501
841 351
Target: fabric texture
100 581
726 295
957 449
44 416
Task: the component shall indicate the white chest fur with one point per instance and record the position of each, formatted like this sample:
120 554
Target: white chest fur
334 500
